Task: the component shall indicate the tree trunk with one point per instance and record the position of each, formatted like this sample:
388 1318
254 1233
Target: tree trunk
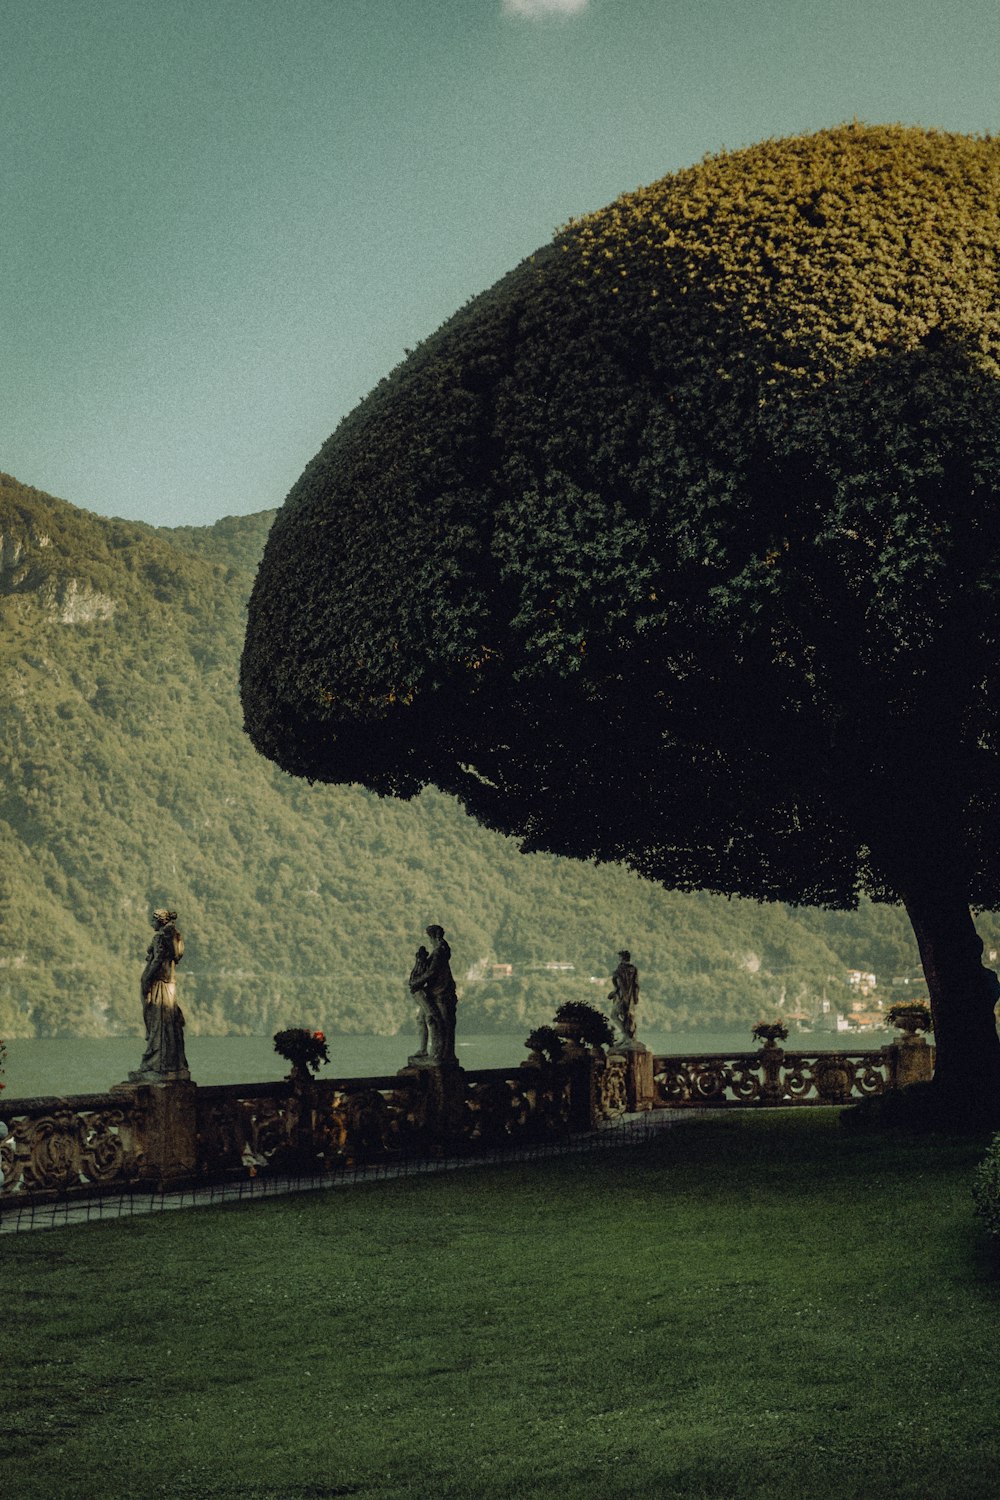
962 994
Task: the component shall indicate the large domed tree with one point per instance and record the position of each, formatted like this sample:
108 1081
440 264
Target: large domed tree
681 547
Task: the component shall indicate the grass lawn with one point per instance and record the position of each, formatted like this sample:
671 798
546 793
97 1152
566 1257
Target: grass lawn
760 1306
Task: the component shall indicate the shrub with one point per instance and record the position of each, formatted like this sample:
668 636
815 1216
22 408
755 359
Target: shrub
921 1109
986 1188
545 1039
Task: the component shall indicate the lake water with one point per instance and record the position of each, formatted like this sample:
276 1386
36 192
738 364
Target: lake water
84 1065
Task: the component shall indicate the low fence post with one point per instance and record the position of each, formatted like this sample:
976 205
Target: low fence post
638 1062
771 1058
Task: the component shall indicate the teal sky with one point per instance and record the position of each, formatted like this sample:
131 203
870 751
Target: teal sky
224 220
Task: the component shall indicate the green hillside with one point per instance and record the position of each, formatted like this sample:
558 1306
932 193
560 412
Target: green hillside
127 781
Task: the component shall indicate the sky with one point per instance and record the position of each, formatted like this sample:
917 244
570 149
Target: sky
223 221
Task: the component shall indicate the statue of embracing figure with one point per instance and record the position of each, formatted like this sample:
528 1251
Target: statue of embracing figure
433 986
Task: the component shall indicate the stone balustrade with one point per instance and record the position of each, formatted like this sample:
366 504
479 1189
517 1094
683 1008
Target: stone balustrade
179 1133
775 1077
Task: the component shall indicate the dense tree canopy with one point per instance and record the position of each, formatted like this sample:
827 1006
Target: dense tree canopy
680 547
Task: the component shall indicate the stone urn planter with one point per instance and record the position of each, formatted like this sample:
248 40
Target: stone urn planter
911 1019
573 1048
770 1033
913 1056
585 1031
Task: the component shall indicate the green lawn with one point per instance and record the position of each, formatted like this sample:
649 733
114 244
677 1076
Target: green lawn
765 1305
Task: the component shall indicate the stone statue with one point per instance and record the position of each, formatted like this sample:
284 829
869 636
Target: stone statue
416 974
163 1060
434 987
625 995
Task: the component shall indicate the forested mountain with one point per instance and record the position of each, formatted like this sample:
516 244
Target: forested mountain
128 782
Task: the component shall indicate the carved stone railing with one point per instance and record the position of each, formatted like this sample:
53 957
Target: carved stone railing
774 1077
178 1133
66 1145
610 1089
273 1127
571 1097
507 1106
329 1123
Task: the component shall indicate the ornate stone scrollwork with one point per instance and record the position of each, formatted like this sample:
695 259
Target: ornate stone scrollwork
59 1147
834 1077
709 1081
491 1115
520 1111
869 1077
671 1081
364 1122
410 1109
744 1082
268 1126
253 1131
769 1077
688 1080
612 1093
798 1077
549 1106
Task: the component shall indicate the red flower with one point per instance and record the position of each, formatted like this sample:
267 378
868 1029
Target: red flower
318 1036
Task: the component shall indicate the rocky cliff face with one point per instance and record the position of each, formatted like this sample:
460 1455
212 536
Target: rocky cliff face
71 603
17 545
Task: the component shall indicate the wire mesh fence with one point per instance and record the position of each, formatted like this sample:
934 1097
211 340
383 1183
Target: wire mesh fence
88 1205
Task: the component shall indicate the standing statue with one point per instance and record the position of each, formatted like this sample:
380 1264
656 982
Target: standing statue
163 1060
434 987
416 974
625 995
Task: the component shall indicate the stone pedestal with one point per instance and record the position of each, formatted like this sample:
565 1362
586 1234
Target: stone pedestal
912 1062
771 1058
170 1129
442 1090
638 1061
